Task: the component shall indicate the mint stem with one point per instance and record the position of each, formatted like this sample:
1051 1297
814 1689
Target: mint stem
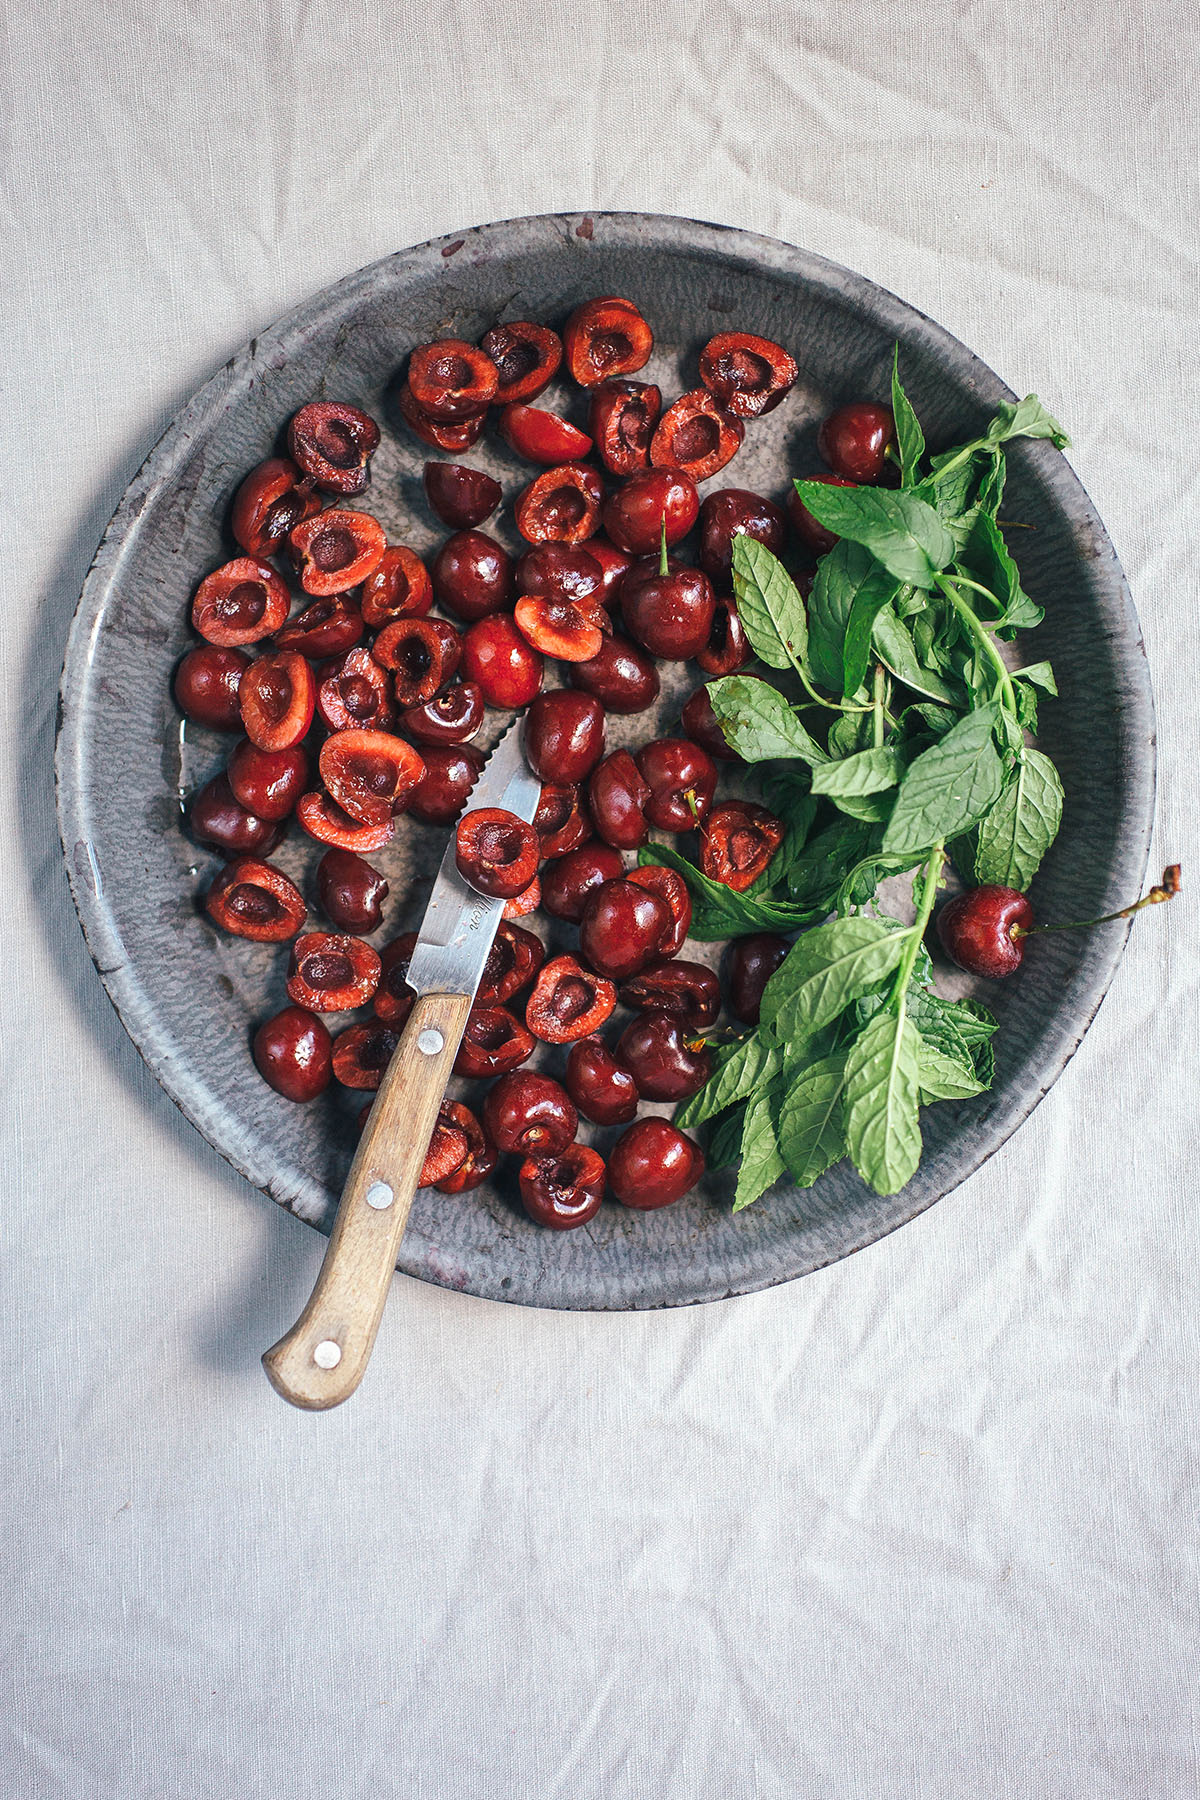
982 637
933 870
880 679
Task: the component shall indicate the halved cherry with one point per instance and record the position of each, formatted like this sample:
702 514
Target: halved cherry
568 1001
454 435
336 550
240 603
361 1053
267 783
737 842
507 668
323 819
481 1155
682 779
452 380
621 418
571 879
495 851
333 444
451 771
728 648
326 628
561 507
276 698
669 886
461 497
514 959
355 692
393 996
562 821
292 1054
422 655
331 971
251 899
527 901
494 1042
273 497
606 337
635 516
617 799
206 686
560 570
217 818
526 356
542 437
369 773
746 375
696 436
451 717
563 1191
688 989
448 1147
569 630
397 588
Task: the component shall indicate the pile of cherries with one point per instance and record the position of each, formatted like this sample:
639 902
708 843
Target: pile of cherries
386 699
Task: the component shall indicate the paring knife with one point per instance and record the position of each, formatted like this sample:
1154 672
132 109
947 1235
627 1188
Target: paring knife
322 1359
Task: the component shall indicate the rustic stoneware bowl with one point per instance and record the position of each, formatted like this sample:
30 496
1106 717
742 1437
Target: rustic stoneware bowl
189 996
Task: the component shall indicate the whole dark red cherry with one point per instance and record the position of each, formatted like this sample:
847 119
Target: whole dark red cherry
562 820
653 1164
613 564
529 1113
449 718
461 497
603 1091
623 928
854 440
671 614
206 686
494 1042
451 771
351 892
472 575
569 880
564 735
635 515
812 534
728 648
620 675
217 817
496 851
750 963
682 779
664 1061
273 497
982 930
293 1052
508 670
617 799
688 990
333 444
672 889
267 782
621 418
728 513
563 1191
514 959
568 1001
559 571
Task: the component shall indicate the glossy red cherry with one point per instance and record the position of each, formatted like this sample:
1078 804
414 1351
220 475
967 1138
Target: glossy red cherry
355 692
451 771
351 892
494 1042
251 899
688 990
621 418
336 550
614 565
623 928
422 655
514 959
568 1001
672 889
448 1147
569 880
268 783
528 1112
369 773
560 572
682 781
738 841
322 818
750 964
452 380
508 670
731 512
240 603
981 930
361 1053
620 675
206 686
854 440
670 614
472 575
217 818
327 628
333 444
696 437
398 587
664 1061
746 375
563 629
452 717
634 516
276 698
810 531
542 437
481 1155
617 799
273 497
653 1164
452 435
527 357
293 1054
606 337
564 1191
564 735
562 821
603 1091
700 723
560 507
332 972
393 996
495 851
461 497
728 648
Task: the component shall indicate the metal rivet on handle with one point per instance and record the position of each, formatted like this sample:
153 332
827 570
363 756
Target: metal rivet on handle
430 1041
327 1354
379 1195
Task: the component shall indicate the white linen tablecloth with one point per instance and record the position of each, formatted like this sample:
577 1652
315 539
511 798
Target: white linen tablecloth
922 1525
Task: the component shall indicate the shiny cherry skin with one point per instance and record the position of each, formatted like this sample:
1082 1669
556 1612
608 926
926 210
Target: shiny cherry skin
688 990
461 497
216 817
508 670
451 771
750 963
564 1191
514 959
664 1061
564 735
351 892
617 799
603 1091
206 686
494 1042
682 779
529 1113
653 1164
635 515
613 564
451 717
982 930
854 440
559 571
620 675
267 783
728 648
623 928
672 890
727 513
540 436
562 820
671 615
812 534
569 881
472 575
293 1052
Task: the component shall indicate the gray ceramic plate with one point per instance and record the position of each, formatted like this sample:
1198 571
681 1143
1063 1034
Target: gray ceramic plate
187 996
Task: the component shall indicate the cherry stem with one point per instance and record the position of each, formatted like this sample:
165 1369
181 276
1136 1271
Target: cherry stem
663 565
1166 889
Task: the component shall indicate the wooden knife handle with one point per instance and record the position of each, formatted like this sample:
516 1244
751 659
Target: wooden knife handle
321 1361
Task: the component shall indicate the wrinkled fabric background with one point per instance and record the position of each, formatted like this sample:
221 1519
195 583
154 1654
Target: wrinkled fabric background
920 1525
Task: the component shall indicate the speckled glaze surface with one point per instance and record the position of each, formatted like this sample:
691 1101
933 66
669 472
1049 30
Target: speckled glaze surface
189 997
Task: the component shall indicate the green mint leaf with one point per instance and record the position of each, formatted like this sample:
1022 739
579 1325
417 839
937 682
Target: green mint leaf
738 1070
910 439
827 969
1026 418
986 556
867 772
761 1165
1040 675
874 593
975 1023
810 1132
839 577
769 605
725 1139
883 1132
720 912
896 650
817 873
902 531
1027 708
758 722
943 1077
858 886
850 733
1020 827
984 1057
949 787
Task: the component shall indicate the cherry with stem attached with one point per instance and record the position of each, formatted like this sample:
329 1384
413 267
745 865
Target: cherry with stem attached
984 930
